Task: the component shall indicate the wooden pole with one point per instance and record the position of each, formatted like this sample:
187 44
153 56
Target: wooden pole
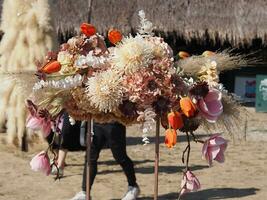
156 169
89 10
246 129
24 142
88 158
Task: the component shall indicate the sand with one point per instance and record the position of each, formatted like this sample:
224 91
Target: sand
242 176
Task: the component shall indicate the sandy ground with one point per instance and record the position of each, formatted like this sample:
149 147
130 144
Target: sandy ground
242 176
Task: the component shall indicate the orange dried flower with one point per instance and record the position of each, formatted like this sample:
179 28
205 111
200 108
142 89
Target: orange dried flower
183 54
175 120
88 29
51 67
187 106
170 138
114 36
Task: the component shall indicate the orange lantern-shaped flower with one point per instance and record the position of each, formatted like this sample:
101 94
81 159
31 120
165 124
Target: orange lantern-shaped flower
114 36
183 54
88 29
170 138
187 106
51 67
175 120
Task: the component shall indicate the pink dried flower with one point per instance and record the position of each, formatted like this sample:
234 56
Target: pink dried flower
139 87
190 183
41 162
148 84
38 123
210 106
214 148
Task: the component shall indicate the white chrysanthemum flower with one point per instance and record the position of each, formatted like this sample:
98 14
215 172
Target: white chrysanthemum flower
161 48
105 91
146 26
132 54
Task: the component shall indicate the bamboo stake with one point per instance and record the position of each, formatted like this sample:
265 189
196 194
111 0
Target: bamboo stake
156 169
88 158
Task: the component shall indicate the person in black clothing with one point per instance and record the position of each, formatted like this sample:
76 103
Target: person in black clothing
114 135
68 140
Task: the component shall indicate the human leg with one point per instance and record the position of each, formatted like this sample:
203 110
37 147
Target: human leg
97 144
62 153
117 142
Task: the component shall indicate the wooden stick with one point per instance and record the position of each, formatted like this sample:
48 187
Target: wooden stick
156 170
246 128
24 142
188 151
89 10
88 158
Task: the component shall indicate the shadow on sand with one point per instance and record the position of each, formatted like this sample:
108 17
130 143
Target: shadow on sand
113 162
138 140
162 169
209 194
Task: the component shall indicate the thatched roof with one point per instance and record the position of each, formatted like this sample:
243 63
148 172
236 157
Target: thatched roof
236 21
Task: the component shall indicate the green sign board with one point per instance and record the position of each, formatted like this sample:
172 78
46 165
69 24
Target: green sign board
261 93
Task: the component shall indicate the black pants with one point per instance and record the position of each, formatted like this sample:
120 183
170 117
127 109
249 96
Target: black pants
69 138
114 134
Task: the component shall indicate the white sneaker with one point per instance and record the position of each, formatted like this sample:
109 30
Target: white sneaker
132 193
80 196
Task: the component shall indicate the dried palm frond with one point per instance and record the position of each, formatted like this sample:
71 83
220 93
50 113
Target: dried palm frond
52 100
225 60
24 80
228 60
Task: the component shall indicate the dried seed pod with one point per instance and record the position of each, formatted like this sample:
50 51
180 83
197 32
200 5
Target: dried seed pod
88 29
114 36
